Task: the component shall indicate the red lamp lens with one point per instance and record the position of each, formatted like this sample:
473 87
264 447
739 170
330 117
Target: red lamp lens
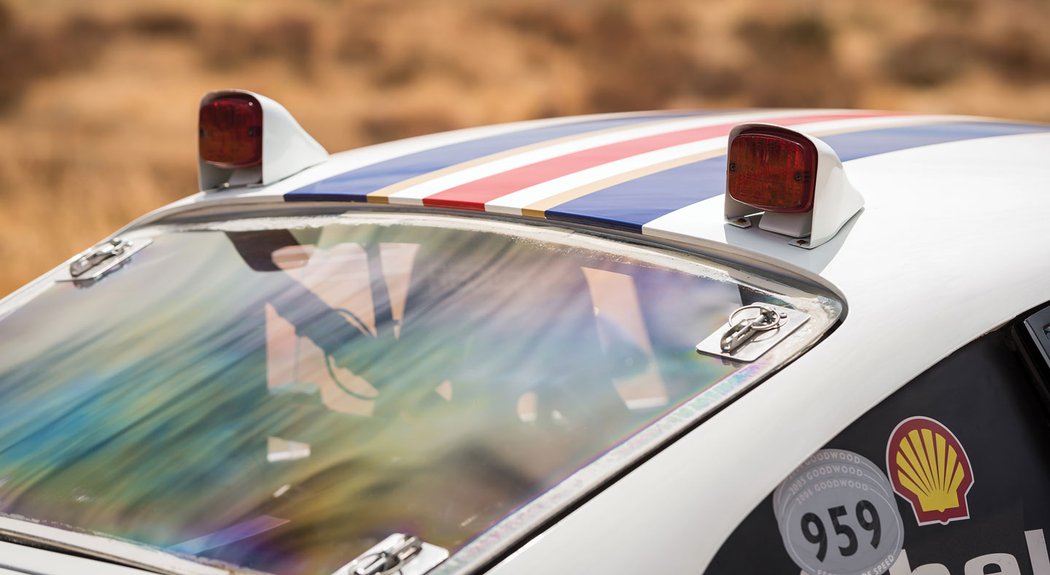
231 131
772 169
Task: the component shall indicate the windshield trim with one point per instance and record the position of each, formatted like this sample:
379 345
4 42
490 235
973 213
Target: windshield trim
103 548
741 262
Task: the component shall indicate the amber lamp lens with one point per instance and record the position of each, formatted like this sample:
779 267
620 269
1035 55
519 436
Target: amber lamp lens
231 132
773 170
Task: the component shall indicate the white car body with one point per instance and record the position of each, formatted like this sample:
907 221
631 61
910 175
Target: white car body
950 245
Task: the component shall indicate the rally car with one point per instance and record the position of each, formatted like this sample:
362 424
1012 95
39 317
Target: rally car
733 341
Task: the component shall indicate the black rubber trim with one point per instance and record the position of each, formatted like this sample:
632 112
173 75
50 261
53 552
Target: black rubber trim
1032 335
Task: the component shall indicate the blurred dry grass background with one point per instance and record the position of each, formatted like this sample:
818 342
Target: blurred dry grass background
98 99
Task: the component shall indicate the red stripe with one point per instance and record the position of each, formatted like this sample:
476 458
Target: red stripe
473 195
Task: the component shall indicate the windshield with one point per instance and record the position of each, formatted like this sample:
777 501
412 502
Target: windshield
281 395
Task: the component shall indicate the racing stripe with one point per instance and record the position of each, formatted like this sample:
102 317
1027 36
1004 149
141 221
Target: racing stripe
490 169
631 204
473 195
618 172
535 201
423 185
413 190
355 185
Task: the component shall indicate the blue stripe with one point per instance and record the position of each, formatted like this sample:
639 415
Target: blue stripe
864 144
355 185
630 205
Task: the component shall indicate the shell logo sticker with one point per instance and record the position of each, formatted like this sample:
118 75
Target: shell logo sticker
929 467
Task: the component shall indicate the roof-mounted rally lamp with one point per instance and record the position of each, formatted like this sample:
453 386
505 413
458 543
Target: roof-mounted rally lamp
248 139
795 180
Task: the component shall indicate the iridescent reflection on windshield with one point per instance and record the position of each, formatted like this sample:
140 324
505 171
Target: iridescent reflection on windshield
283 399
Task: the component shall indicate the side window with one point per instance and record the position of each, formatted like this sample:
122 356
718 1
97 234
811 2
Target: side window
948 476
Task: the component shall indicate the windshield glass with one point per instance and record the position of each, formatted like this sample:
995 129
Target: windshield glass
281 395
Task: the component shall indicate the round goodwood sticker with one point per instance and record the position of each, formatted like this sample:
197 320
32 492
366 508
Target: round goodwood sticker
837 515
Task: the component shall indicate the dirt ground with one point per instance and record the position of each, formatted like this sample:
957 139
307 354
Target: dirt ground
98 100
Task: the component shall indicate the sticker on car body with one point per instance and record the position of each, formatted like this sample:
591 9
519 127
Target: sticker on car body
837 515
930 469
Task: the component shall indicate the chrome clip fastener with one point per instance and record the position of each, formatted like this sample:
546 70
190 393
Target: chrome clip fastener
110 249
751 331
102 259
398 554
743 330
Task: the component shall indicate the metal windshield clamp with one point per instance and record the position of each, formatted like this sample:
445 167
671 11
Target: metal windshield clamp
741 331
398 554
103 258
747 335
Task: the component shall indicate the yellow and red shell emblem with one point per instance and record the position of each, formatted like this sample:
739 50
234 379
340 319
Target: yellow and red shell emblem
929 467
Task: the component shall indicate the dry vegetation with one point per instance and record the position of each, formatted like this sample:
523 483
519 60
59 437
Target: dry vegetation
98 100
